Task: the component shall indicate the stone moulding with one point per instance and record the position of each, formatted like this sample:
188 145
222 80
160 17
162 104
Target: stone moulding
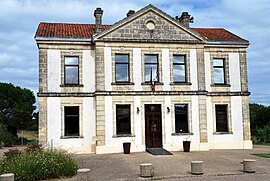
133 93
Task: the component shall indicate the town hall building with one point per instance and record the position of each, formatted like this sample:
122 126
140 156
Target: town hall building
149 79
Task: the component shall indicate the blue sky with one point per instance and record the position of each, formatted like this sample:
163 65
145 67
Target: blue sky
250 19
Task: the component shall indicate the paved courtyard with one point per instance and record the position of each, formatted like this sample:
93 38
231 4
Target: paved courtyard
217 165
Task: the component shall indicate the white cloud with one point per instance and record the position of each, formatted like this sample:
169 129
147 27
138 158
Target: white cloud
19 20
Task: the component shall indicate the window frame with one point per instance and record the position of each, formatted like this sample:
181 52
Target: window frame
223 69
185 68
68 116
146 63
218 128
72 65
123 63
118 132
177 122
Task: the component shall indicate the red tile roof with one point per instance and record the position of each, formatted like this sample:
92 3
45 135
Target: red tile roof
65 30
218 34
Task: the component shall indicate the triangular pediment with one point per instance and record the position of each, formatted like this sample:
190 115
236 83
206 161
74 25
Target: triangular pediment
149 25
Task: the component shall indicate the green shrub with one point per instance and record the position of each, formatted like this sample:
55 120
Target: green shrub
38 164
262 135
12 153
6 138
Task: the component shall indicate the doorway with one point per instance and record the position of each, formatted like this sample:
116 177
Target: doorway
153 126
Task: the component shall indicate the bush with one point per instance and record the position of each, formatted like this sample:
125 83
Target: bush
12 153
38 164
6 138
262 135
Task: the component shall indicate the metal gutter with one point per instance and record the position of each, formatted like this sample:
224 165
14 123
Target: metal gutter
227 43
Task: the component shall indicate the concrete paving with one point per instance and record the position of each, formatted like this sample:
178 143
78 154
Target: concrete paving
217 165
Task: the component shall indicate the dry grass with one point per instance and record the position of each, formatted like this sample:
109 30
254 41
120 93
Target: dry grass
30 135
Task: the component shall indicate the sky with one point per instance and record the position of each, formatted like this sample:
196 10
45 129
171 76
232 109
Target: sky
19 19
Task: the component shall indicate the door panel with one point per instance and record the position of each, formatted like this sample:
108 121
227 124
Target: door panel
153 126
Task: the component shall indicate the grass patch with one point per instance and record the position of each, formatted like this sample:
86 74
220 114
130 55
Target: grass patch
264 155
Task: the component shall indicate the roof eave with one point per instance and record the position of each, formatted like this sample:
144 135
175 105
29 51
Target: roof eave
227 43
62 39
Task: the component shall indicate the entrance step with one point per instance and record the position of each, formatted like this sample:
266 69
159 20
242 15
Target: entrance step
158 151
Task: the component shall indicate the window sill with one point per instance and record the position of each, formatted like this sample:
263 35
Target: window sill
70 137
222 133
181 134
149 83
71 85
123 135
220 85
122 83
180 83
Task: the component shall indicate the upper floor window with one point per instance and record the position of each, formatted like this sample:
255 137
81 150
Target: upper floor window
123 119
122 68
181 118
151 68
221 118
179 68
71 121
219 71
71 70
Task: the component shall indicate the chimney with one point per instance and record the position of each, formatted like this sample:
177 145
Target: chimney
185 19
130 12
98 15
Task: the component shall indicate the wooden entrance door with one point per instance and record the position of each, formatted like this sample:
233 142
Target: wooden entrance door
153 126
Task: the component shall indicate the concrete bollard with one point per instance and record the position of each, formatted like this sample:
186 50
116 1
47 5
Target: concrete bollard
249 165
146 170
82 174
7 177
196 167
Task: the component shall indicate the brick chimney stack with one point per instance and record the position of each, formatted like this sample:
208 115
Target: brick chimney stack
185 19
98 15
130 12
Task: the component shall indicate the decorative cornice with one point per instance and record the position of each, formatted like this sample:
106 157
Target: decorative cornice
139 93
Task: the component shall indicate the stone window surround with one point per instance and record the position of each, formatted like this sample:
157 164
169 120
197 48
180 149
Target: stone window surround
132 122
229 119
187 65
71 53
63 105
129 52
225 57
190 129
150 51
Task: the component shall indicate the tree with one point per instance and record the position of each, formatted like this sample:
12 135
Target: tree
260 123
16 106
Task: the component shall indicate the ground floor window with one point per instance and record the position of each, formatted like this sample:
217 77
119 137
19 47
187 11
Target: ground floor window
181 118
221 118
123 119
71 121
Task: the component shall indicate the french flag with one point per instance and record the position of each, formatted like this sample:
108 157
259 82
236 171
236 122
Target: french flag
153 84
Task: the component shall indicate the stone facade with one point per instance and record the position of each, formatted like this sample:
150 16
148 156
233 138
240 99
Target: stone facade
98 93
